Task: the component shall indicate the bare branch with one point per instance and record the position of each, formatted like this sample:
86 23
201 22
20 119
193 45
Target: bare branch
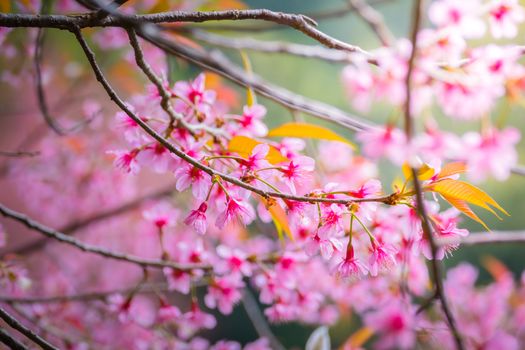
307 51
299 22
481 238
259 322
374 19
425 221
61 237
17 154
11 342
144 289
77 225
179 153
15 324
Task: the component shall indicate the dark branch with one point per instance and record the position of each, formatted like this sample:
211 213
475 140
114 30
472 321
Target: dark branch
77 225
10 342
247 43
299 22
15 324
61 237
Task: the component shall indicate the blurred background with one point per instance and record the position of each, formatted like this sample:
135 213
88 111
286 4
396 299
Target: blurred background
310 77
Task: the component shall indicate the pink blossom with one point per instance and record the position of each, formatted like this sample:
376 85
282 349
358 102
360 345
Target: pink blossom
381 257
168 313
463 16
177 280
194 94
331 222
156 157
387 142
194 320
235 261
187 175
127 161
224 293
235 208
257 158
491 153
350 266
197 218
504 16
395 324
226 345
259 344
297 171
251 120
161 215
359 85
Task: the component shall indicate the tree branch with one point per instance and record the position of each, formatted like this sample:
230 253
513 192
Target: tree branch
11 342
61 237
374 19
15 324
299 22
77 225
145 289
425 222
247 43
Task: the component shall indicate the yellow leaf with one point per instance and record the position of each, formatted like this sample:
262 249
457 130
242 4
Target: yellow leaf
359 337
495 267
463 207
424 172
243 146
452 169
467 192
280 219
5 6
305 130
159 6
251 99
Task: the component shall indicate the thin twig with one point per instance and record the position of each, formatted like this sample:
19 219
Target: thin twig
299 22
425 222
61 237
247 43
15 324
374 19
482 238
144 289
179 153
11 342
97 217
259 322
16 154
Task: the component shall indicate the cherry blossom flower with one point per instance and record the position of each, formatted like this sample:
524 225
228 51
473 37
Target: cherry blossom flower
381 257
187 175
350 266
251 120
504 16
395 323
235 208
197 218
297 171
460 15
223 293
387 142
491 153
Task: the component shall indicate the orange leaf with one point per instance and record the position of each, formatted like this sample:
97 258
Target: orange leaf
496 268
279 218
305 130
463 207
452 169
424 172
360 336
464 191
243 146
